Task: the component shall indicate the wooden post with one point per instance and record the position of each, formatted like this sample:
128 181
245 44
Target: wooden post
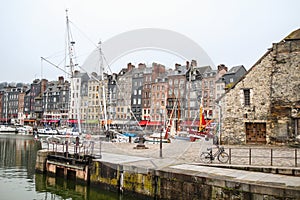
229 155
249 156
271 157
295 157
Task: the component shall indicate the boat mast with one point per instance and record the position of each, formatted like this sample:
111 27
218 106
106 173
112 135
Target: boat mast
201 116
103 86
71 54
6 109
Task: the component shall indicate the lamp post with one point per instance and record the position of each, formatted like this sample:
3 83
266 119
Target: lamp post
219 125
160 142
6 107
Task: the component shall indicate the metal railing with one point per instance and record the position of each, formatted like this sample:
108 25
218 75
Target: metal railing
85 148
264 156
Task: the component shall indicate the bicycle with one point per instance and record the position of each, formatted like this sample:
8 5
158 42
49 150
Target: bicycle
221 155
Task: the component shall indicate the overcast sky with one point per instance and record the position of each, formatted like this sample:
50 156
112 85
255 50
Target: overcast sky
232 32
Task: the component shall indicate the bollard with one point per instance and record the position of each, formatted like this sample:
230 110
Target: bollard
67 148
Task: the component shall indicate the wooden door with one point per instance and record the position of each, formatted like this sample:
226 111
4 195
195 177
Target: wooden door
255 132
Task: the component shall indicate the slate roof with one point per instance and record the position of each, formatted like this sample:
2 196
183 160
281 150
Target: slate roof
234 69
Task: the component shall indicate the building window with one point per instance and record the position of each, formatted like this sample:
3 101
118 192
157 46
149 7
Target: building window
247 97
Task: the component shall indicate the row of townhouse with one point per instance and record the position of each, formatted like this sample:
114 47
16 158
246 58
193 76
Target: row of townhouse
261 105
149 95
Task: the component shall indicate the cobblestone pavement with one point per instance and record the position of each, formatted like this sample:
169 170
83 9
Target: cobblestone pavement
189 152
180 151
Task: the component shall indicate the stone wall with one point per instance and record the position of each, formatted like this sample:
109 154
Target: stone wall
175 184
274 83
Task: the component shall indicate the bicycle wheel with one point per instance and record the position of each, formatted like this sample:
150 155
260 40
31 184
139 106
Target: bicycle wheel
205 157
223 157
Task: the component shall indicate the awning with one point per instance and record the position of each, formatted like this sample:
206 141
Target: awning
143 122
107 121
29 120
50 120
154 123
73 121
93 121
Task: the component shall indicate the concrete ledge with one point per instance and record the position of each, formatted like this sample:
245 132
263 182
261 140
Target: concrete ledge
290 171
71 166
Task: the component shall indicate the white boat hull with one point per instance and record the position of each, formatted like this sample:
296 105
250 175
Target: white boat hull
8 129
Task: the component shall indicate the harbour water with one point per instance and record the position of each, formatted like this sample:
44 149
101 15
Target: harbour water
18 179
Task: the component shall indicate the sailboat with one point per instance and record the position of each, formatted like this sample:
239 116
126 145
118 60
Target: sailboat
75 93
202 131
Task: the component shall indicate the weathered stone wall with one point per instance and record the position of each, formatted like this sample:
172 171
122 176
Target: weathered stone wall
172 183
40 164
285 90
235 113
274 83
175 184
105 174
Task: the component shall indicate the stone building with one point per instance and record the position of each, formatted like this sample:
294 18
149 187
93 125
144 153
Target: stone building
150 75
176 100
136 93
33 101
56 102
78 89
123 97
264 105
112 96
194 76
158 99
146 96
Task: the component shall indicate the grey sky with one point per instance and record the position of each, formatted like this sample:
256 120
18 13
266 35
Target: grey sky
232 32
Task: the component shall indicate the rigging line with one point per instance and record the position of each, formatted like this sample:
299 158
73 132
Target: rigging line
42 68
123 98
85 35
55 54
118 87
55 65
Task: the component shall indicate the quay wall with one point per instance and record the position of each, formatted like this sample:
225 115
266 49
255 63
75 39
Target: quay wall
170 183
164 183
60 165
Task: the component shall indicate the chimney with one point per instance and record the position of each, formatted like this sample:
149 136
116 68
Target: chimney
187 64
61 79
76 72
222 67
194 63
177 66
141 66
130 66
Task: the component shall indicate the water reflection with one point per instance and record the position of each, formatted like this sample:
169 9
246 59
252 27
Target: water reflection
18 179
58 188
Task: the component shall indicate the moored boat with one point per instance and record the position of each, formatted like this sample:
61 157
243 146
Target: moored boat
8 129
47 131
24 130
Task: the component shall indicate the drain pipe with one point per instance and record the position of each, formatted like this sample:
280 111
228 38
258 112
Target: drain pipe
219 124
121 182
121 179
